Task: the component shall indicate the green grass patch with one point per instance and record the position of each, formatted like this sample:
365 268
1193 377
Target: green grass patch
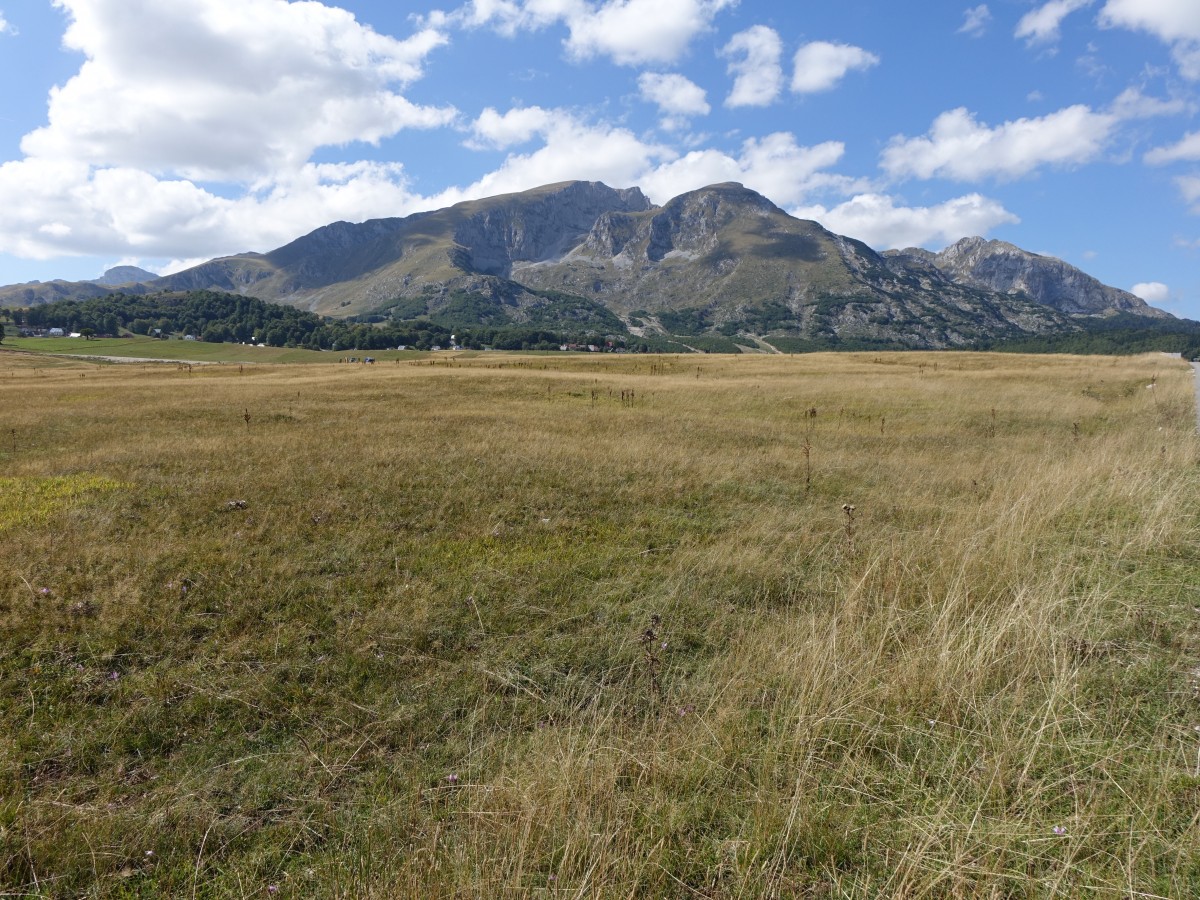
26 501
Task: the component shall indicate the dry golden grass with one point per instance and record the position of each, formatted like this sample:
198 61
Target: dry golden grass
381 631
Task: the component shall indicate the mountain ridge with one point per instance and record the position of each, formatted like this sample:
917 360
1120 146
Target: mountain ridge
719 260
1004 267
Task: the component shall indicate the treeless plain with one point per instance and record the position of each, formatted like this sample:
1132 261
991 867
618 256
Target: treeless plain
858 625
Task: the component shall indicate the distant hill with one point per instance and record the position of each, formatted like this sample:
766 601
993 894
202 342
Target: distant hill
721 263
125 278
123 275
34 293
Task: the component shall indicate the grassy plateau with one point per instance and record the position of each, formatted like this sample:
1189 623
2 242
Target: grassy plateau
861 625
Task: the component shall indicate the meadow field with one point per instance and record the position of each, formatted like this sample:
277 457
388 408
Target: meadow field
859 625
131 346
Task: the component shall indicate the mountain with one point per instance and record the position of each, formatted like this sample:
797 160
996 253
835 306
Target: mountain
122 275
466 250
999 266
721 261
126 278
33 293
726 259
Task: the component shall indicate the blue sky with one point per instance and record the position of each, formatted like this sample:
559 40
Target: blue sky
166 133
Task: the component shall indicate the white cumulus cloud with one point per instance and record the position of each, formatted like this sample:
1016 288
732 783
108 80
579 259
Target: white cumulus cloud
634 32
6 27
755 66
517 126
976 20
1041 26
673 94
570 148
1169 20
1175 22
630 32
959 147
1189 186
511 16
776 166
1187 149
876 220
236 93
1151 291
69 209
1133 104
228 88
821 65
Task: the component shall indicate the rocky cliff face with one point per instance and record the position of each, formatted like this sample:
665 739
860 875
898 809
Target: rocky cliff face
720 244
1007 269
725 259
520 229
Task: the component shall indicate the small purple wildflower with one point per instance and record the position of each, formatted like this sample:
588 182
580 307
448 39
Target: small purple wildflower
45 591
114 676
452 778
272 889
1060 829
664 645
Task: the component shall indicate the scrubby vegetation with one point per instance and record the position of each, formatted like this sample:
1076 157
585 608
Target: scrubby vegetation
480 321
860 625
214 317
1124 333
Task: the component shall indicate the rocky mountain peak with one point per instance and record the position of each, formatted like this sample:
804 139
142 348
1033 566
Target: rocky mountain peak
973 249
538 226
692 222
1005 268
597 192
119 275
723 200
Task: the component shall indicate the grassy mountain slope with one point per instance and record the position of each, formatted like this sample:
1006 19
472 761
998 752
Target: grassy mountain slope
345 269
